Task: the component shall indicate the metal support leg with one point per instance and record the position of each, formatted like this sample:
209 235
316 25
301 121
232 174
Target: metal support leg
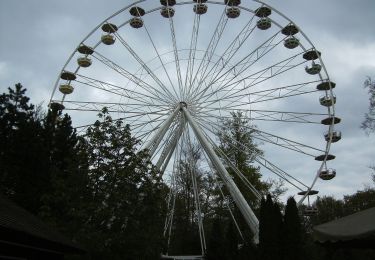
156 139
169 149
237 196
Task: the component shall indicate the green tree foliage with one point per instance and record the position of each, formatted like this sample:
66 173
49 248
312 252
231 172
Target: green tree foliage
67 160
240 150
97 190
361 200
23 157
329 209
185 232
125 204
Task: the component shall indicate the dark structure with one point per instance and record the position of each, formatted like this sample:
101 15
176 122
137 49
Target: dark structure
24 236
353 231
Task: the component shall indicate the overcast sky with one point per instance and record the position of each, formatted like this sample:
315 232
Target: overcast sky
38 36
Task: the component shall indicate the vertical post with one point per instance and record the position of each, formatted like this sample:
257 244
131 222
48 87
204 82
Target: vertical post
237 196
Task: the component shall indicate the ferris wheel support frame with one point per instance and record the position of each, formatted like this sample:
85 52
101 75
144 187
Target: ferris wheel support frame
155 141
237 196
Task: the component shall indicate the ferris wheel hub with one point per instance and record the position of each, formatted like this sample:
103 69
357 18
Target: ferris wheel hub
182 104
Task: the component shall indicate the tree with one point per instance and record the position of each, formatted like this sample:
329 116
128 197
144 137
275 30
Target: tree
124 208
292 238
216 243
369 123
185 237
361 200
23 158
238 150
68 169
270 230
329 209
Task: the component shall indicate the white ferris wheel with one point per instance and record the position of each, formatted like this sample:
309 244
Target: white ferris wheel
174 70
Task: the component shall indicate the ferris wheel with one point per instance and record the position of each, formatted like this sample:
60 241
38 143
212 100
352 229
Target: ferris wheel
174 70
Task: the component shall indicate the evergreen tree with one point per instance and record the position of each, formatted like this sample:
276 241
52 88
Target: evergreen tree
293 244
240 150
62 203
270 225
24 175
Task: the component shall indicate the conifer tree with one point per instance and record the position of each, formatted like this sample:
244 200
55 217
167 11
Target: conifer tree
269 229
293 246
23 158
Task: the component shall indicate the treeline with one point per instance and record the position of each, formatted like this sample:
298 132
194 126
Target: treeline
98 190
95 188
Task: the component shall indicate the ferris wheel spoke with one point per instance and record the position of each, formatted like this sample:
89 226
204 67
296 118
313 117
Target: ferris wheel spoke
267 94
160 60
131 77
176 59
269 138
211 47
116 90
231 51
280 173
271 115
277 93
241 66
267 164
144 66
192 53
111 107
260 76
